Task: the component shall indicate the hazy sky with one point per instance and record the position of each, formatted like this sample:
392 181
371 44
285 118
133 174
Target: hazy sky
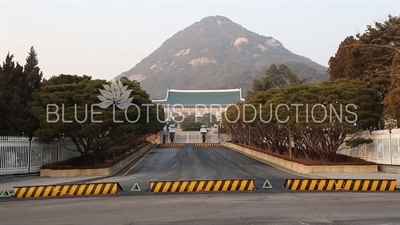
105 38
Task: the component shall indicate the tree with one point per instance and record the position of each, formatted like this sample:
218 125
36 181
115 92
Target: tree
70 105
14 98
34 77
280 76
17 85
369 54
347 61
392 103
32 71
290 77
373 57
276 77
316 119
209 119
341 108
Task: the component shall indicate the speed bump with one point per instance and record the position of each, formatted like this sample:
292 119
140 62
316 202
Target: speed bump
166 145
202 185
66 190
207 144
340 184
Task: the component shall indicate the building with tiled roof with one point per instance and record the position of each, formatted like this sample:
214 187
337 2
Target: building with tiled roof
199 102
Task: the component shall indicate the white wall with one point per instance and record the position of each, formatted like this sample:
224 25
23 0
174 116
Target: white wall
385 148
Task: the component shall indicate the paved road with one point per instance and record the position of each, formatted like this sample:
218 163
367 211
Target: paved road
196 163
290 208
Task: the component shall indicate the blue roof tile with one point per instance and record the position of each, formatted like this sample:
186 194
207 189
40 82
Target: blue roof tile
192 97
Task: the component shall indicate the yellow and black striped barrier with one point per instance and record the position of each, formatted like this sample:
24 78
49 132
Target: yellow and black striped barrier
202 185
207 144
166 145
340 184
66 190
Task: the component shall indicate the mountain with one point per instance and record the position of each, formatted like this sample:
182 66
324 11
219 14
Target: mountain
216 53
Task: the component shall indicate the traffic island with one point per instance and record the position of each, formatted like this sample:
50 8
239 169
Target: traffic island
359 167
62 169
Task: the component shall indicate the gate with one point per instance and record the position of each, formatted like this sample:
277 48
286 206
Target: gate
188 137
19 155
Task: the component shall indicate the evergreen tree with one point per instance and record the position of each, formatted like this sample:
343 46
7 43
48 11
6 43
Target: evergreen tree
13 91
347 61
34 78
372 57
95 140
318 132
17 84
276 77
32 71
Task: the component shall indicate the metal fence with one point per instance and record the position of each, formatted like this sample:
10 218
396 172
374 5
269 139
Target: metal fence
385 148
189 137
20 155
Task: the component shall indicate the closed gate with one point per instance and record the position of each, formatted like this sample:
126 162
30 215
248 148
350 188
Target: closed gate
188 137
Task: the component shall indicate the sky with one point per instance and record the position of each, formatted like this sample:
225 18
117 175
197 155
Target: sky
102 39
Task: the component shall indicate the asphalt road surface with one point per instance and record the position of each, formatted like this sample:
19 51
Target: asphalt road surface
289 208
200 163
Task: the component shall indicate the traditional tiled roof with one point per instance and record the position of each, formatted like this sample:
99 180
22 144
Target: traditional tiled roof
192 97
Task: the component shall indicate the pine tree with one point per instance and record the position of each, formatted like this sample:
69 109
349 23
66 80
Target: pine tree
280 76
276 77
17 85
373 58
34 78
13 92
32 70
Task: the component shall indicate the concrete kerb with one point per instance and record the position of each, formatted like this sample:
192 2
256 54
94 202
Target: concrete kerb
288 170
294 172
118 171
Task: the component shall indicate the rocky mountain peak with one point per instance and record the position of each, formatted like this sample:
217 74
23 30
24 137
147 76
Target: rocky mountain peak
214 53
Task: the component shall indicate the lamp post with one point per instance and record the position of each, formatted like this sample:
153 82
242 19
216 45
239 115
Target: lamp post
390 146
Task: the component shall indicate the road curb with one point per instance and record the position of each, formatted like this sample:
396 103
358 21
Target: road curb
294 172
126 166
288 170
123 168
